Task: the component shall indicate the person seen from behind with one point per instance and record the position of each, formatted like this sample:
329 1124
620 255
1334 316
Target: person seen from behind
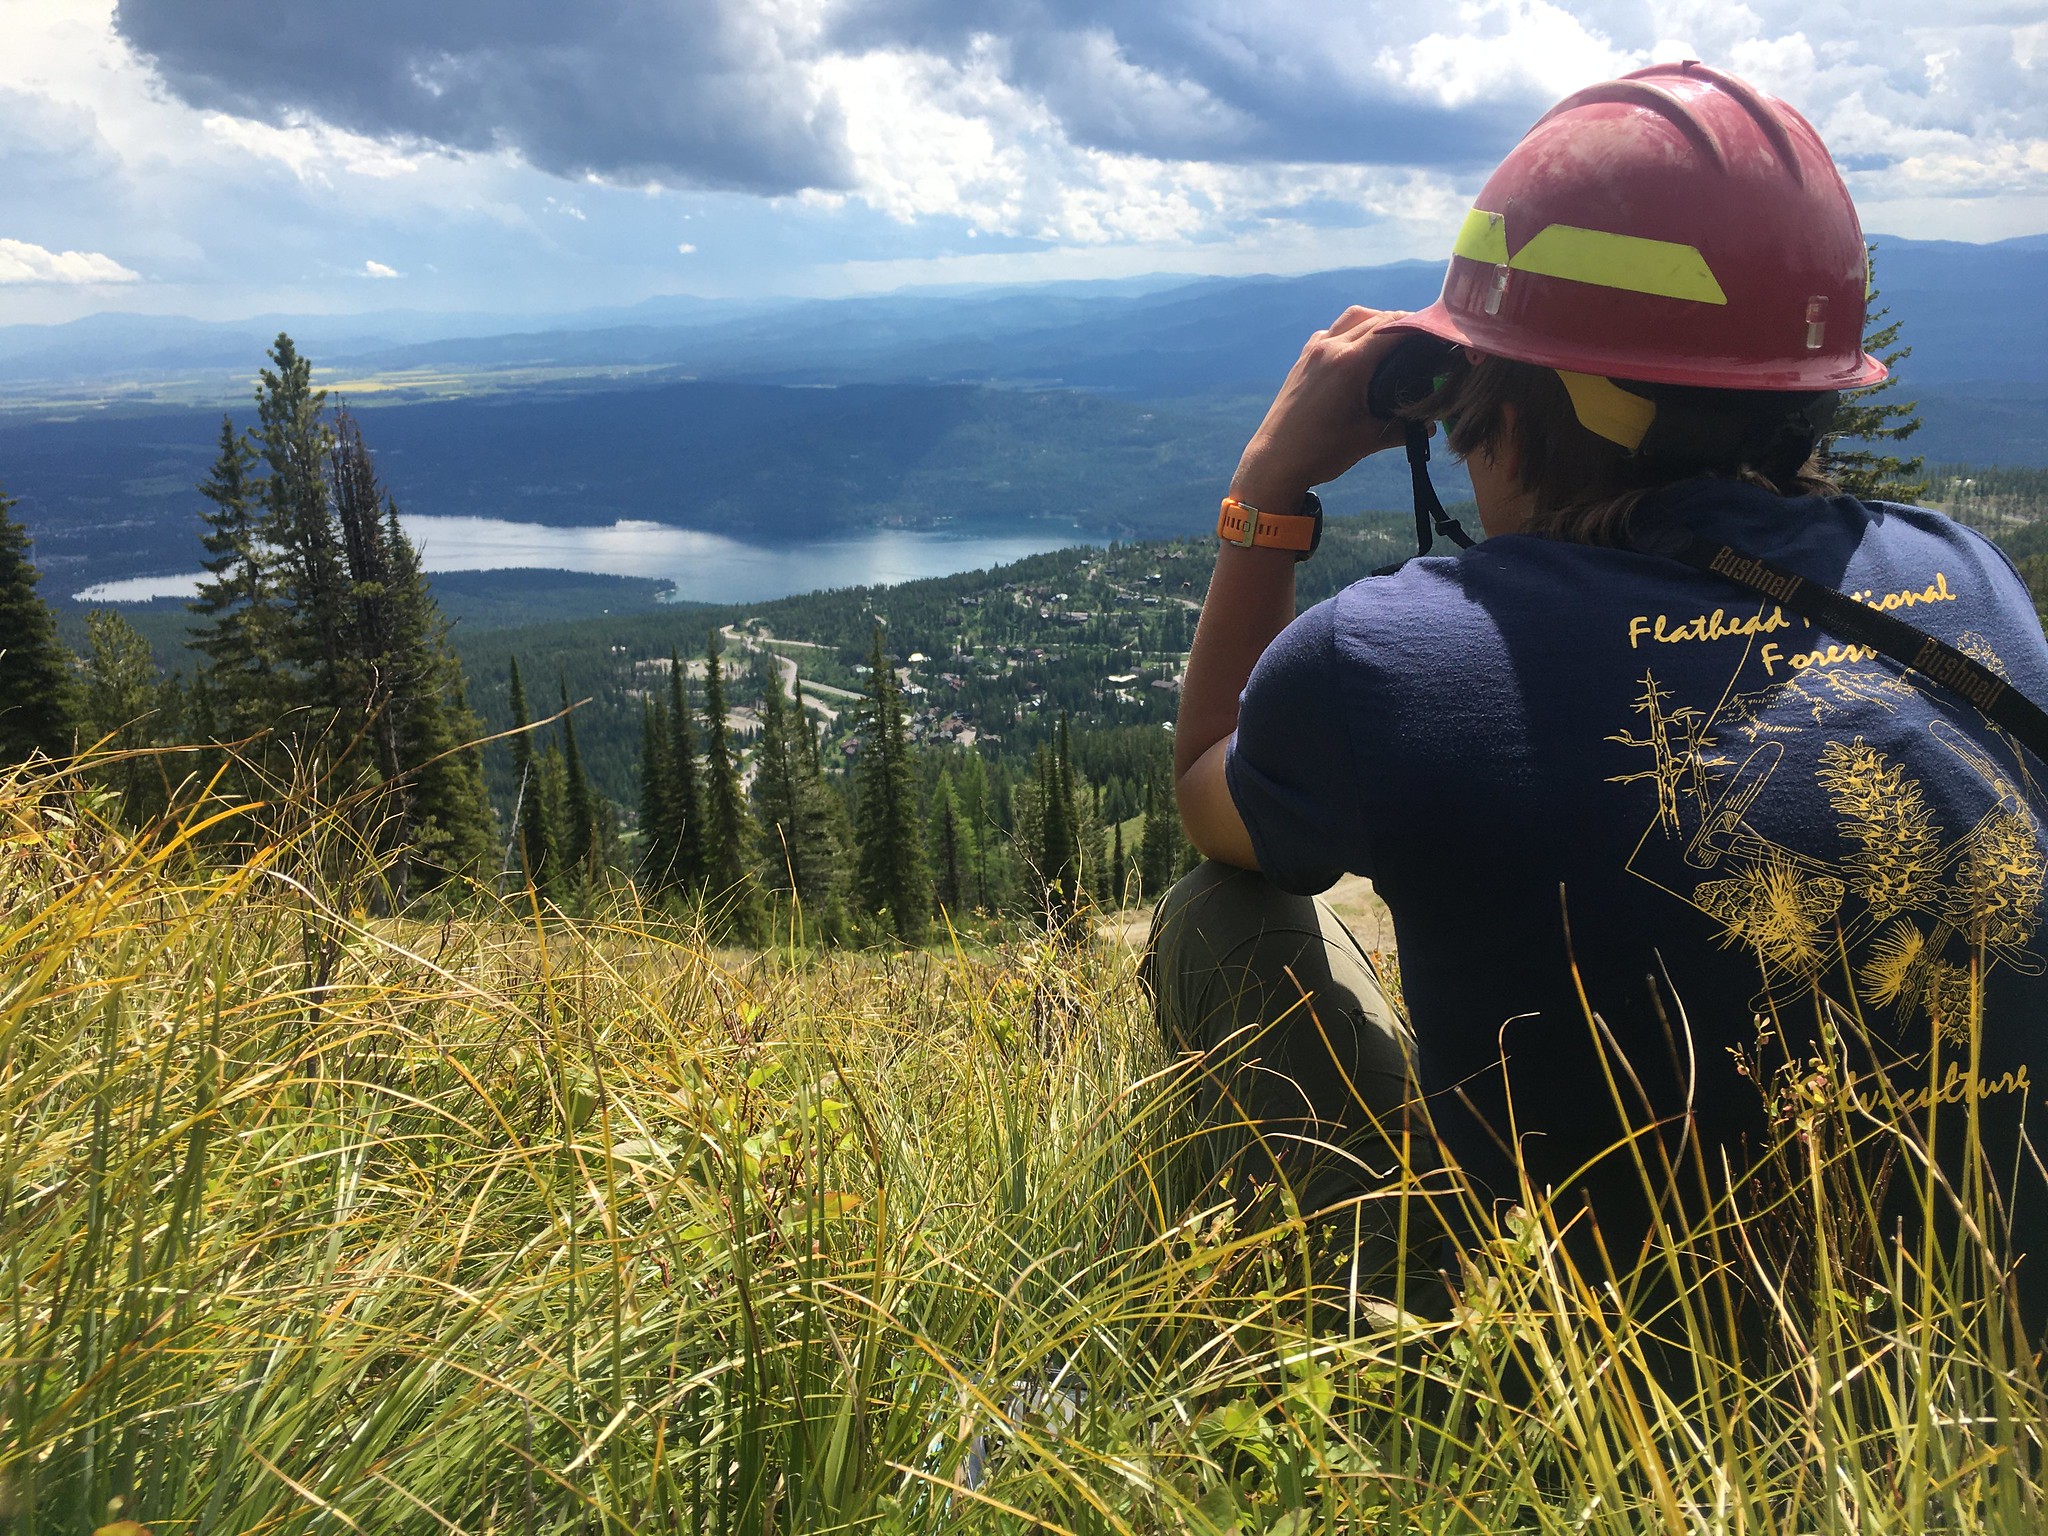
1656 807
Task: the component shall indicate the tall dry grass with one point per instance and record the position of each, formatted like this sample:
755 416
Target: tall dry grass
316 1221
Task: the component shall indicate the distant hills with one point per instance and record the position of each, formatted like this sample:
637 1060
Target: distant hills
1972 312
1108 409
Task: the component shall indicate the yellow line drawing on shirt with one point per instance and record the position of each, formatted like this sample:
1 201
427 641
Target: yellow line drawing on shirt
1907 900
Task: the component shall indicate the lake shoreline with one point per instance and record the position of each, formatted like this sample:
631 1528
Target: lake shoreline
700 567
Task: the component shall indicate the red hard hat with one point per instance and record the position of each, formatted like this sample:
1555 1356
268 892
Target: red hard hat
1675 226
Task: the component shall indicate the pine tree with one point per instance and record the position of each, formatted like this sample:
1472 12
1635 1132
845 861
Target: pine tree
579 838
1867 472
800 846
950 889
654 792
729 830
1119 871
534 851
122 708
1159 850
977 825
239 623
38 702
298 522
398 673
689 863
1091 842
893 879
453 831
1060 852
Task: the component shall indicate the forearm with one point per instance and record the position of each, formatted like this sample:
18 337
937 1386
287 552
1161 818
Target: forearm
1251 599
1317 427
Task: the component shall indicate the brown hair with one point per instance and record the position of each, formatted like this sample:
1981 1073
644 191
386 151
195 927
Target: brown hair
1584 486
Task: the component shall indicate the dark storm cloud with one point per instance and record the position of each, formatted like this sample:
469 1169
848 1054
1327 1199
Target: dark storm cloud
709 93
685 92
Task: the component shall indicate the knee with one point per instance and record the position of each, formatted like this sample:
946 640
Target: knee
1212 909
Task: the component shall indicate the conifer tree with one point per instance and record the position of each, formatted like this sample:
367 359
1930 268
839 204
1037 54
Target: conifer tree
1091 842
453 832
950 886
397 672
202 727
298 522
800 843
38 703
1119 871
1060 851
239 623
654 791
893 879
1870 473
729 830
688 863
122 706
977 824
534 853
579 837
1159 850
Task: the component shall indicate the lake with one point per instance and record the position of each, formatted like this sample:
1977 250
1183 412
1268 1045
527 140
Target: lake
705 567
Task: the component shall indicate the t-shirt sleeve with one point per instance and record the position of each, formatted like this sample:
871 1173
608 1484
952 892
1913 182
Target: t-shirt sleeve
1290 767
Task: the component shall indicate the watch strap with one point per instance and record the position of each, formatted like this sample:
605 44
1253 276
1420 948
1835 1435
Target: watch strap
1249 528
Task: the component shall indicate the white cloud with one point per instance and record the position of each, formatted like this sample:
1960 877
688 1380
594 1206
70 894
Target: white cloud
686 249
932 138
378 269
312 151
1506 47
21 262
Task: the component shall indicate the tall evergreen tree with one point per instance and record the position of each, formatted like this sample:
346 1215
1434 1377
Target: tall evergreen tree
689 863
534 850
1159 850
236 605
1119 871
453 832
949 864
894 880
1060 850
729 830
654 792
977 824
1869 472
800 847
299 523
579 807
398 673
38 703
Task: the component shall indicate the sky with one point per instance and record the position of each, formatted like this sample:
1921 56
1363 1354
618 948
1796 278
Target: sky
241 157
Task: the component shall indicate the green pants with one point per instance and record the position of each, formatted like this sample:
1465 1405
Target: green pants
1303 1070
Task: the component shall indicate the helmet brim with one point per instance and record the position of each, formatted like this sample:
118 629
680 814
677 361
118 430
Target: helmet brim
1439 321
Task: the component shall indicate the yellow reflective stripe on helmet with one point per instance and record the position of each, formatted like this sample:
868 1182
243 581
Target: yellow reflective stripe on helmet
1595 256
1483 237
1606 260
1607 410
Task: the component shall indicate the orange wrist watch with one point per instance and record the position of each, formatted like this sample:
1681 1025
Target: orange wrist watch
1249 528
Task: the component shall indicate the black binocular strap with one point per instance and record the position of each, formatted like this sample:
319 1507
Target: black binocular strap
1859 623
1429 508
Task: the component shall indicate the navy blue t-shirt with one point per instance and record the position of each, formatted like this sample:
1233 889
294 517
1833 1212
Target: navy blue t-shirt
1562 764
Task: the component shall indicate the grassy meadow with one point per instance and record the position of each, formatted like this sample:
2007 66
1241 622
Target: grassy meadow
319 1221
